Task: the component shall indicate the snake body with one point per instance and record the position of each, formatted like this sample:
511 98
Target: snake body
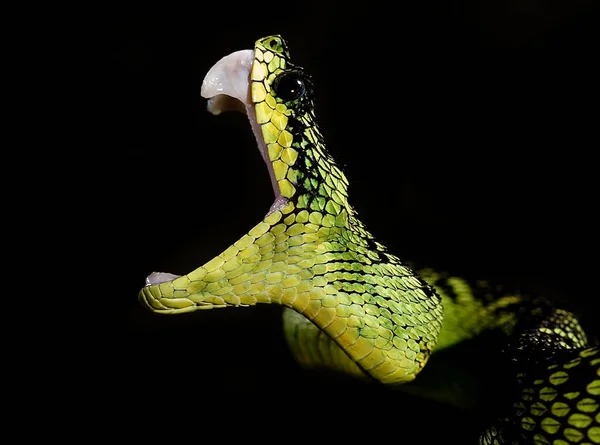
355 307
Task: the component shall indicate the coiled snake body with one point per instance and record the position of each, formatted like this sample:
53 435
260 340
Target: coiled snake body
354 306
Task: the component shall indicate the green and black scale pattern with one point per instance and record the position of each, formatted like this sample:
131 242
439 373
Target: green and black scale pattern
555 396
354 307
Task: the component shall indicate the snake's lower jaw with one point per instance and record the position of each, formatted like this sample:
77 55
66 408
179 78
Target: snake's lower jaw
201 289
153 298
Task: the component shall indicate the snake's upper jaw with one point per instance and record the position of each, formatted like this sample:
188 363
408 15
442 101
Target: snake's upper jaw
227 87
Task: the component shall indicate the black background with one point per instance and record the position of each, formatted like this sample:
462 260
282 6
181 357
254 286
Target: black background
467 129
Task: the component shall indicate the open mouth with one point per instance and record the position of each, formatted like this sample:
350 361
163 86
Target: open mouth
227 88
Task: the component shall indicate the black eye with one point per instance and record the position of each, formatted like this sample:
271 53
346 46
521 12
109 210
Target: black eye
290 86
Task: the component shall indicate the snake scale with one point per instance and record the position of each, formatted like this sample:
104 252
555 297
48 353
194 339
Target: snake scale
352 306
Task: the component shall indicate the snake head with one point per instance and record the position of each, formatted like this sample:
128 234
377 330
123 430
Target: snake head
277 96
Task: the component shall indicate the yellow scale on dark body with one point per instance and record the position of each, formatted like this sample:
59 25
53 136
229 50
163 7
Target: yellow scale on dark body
354 306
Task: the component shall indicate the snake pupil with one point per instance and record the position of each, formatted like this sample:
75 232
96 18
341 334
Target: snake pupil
290 87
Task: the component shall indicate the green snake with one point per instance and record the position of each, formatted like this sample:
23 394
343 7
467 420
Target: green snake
352 306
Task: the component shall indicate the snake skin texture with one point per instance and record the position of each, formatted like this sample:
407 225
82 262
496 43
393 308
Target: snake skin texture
353 306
